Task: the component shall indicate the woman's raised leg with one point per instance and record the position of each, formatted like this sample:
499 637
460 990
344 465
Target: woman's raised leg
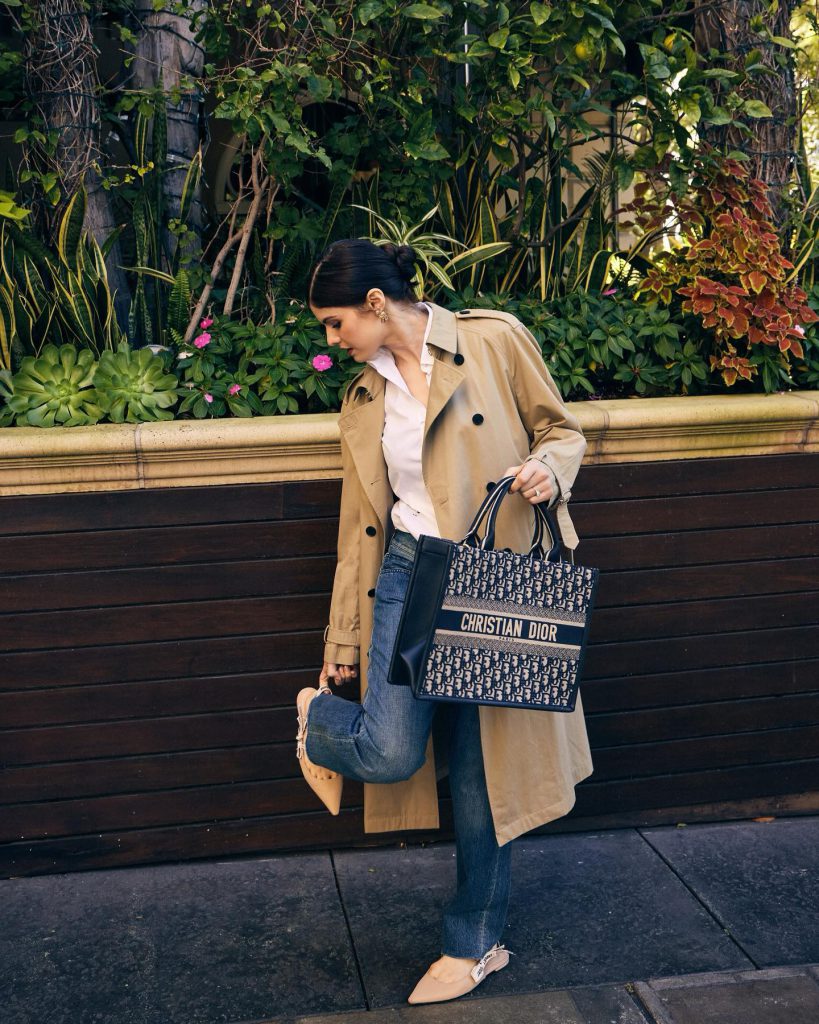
384 738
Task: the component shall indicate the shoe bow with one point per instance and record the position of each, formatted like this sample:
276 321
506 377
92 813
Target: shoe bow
479 969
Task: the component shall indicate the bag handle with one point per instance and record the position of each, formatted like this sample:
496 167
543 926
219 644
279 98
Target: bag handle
545 520
489 511
494 495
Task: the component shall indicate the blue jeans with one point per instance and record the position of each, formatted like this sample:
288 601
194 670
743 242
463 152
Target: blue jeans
384 739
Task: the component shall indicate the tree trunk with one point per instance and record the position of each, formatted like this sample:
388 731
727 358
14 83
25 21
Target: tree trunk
726 28
168 57
99 219
62 82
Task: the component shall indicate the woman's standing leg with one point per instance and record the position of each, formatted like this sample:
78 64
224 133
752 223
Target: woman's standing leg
475 918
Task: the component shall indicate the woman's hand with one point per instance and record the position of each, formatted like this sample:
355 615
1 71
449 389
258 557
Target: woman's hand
533 480
340 674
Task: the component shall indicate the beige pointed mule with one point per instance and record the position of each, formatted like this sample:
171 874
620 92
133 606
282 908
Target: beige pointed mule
433 990
327 785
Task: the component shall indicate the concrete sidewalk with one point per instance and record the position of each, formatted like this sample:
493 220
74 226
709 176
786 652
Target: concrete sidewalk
702 924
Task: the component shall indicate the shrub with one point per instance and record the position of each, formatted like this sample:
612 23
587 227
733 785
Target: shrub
245 369
730 276
605 345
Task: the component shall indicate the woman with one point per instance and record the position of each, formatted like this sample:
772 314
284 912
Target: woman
447 403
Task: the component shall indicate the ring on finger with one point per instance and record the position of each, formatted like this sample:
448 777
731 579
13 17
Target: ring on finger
537 493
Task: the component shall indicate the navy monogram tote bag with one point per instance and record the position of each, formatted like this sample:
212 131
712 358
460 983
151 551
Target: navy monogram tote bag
494 626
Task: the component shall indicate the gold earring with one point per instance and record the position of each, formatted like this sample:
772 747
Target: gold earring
382 315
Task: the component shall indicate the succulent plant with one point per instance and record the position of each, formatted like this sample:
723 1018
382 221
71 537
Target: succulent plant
132 385
55 389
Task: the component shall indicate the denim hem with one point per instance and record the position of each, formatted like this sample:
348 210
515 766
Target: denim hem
319 744
464 953
331 716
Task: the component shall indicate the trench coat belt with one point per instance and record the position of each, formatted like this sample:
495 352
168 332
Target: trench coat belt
564 521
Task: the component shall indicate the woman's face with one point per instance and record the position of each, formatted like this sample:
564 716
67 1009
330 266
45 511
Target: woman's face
358 330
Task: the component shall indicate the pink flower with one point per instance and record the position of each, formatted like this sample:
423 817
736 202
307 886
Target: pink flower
321 362
202 340
208 397
609 291
234 389
800 328
204 324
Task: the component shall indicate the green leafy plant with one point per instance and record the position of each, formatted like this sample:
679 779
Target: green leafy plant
805 225
437 265
54 297
551 247
605 345
9 209
475 108
244 369
161 303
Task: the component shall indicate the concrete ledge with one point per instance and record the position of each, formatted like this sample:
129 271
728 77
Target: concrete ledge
742 997
187 453
652 429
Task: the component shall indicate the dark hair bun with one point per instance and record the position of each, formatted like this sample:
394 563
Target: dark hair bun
349 267
404 258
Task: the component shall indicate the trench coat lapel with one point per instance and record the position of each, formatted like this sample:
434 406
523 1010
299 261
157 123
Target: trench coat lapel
444 381
360 425
446 378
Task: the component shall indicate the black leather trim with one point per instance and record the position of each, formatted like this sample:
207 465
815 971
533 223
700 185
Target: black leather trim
584 645
416 627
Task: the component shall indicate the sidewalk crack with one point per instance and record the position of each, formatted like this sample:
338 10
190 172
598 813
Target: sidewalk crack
711 913
350 933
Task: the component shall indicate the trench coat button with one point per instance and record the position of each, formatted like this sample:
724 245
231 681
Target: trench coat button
466 312
491 485
371 592
370 531
477 419
458 359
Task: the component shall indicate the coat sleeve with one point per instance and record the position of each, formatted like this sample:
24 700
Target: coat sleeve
342 633
341 637
556 438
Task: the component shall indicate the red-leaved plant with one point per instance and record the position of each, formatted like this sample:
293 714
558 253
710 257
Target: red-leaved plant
729 269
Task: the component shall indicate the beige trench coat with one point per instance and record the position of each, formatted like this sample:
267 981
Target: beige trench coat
492 404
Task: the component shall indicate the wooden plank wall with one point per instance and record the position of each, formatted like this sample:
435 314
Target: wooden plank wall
151 644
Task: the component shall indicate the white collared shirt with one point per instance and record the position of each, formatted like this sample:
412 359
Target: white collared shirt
402 441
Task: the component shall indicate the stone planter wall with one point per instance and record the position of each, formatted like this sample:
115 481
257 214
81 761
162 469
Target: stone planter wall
165 589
